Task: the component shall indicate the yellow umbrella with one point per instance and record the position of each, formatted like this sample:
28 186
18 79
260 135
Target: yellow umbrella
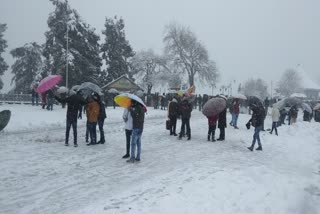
123 101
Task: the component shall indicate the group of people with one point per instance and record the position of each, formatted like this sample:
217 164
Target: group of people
95 111
182 109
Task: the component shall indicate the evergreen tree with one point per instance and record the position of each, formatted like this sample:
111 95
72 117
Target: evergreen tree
27 66
116 50
83 58
3 46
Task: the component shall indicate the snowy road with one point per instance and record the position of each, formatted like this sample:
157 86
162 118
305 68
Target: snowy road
40 175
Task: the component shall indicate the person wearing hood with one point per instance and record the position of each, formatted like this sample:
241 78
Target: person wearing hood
257 122
74 104
275 115
173 112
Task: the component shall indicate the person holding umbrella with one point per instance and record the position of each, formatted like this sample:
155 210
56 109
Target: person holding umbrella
256 121
127 118
137 113
74 104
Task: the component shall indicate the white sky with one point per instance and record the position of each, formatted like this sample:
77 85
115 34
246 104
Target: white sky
247 38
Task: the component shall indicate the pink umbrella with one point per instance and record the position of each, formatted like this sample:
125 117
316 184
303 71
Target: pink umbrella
48 83
214 106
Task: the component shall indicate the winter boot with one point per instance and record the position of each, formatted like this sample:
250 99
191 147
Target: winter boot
189 137
250 148
259 148
126 156
208 137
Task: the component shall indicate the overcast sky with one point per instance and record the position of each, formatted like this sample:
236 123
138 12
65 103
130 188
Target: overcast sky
246 38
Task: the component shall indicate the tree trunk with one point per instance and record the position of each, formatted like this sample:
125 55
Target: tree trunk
191 80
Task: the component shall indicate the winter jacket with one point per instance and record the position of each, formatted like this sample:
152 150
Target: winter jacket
236 107
102 113
74 105
137 114
185 109
275 114
213 120
173 110
293 112
222 121
93 109
127 118
258 116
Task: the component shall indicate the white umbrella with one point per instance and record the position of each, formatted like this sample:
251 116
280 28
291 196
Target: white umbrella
306 107
62 90
317 107
113 91
240 96
298 95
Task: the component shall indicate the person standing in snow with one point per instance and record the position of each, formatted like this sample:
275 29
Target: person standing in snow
74 103
256 121
185 109
222 124
102 116
212 122
127 118
137 113
50 97
173 112
93 109
306 116
44 99
293 113
275 115
235 113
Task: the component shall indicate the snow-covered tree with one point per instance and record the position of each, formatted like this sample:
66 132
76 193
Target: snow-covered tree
67 29
183 47
3 46
289 83
255 87
27 66
147 67
116 50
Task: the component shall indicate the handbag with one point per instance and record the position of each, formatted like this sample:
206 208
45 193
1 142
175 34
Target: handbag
168 124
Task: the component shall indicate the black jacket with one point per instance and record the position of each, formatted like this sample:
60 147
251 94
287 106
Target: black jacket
258 116
222 122
74 104
185 109
102 113
137 114
173 109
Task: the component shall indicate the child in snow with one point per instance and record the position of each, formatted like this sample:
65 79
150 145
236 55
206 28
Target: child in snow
212 122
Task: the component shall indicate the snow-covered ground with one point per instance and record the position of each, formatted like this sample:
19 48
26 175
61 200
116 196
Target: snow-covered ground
38 174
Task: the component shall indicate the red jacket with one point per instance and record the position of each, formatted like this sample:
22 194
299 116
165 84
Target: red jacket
236 107
213 119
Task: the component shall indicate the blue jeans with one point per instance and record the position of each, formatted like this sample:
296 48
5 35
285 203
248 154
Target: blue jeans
136 141
73 123
256 136
92 126
234 120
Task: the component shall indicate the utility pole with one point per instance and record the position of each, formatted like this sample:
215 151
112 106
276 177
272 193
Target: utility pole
67 57
271 89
